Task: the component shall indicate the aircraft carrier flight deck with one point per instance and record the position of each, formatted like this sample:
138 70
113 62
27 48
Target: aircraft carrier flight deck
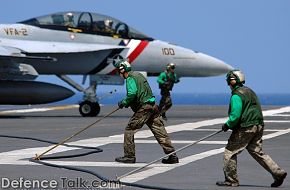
199 167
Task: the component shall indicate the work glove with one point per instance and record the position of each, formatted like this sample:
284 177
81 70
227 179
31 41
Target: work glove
225 127
121 105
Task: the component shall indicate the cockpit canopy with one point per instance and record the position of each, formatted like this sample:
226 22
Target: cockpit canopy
85 22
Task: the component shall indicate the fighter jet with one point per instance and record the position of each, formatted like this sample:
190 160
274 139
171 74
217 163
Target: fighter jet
84 43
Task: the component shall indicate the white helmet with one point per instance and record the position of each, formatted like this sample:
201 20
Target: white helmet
108 23
69 14
123 64
170 66
237 75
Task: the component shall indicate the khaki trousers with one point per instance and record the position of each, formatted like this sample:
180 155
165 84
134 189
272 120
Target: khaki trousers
249 138
165 103
149 115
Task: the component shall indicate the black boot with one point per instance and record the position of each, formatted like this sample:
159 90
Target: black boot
126 160
172 159
227 184
279 180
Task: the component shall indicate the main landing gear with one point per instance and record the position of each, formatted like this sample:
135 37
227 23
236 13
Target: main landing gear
89 107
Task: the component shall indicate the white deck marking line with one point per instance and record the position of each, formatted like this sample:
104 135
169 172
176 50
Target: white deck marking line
283 115
276 111
30 110
276 121
276 134
158 170
181 142
84 164
273 130
208 130
18 155
177 128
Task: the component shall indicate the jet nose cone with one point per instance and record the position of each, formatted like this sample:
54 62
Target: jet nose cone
214 65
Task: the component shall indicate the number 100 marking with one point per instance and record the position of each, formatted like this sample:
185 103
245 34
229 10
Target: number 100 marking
168 51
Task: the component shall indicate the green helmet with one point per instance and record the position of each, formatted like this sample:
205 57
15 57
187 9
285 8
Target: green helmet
123 64
237 75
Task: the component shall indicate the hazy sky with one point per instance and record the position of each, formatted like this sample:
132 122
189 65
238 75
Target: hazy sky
253 35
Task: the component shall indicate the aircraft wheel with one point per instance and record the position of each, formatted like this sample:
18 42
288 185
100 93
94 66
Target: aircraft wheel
89 109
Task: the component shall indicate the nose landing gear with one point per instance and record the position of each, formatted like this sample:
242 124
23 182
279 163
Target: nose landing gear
89 106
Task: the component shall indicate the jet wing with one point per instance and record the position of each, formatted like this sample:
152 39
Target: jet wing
21 50
13 54
26 46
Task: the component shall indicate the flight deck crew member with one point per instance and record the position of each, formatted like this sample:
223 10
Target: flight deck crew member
142 102
246 121
166 82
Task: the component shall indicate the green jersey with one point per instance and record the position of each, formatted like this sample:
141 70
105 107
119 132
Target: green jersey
244 109
138 91
167 80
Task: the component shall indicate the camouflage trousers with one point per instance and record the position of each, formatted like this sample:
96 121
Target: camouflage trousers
249 138
149 115
165 103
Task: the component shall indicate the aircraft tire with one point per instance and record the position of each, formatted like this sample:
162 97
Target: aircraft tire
89 109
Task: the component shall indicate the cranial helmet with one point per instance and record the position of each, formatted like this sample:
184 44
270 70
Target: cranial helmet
123 64
108 22
69 14
170 66
237 75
